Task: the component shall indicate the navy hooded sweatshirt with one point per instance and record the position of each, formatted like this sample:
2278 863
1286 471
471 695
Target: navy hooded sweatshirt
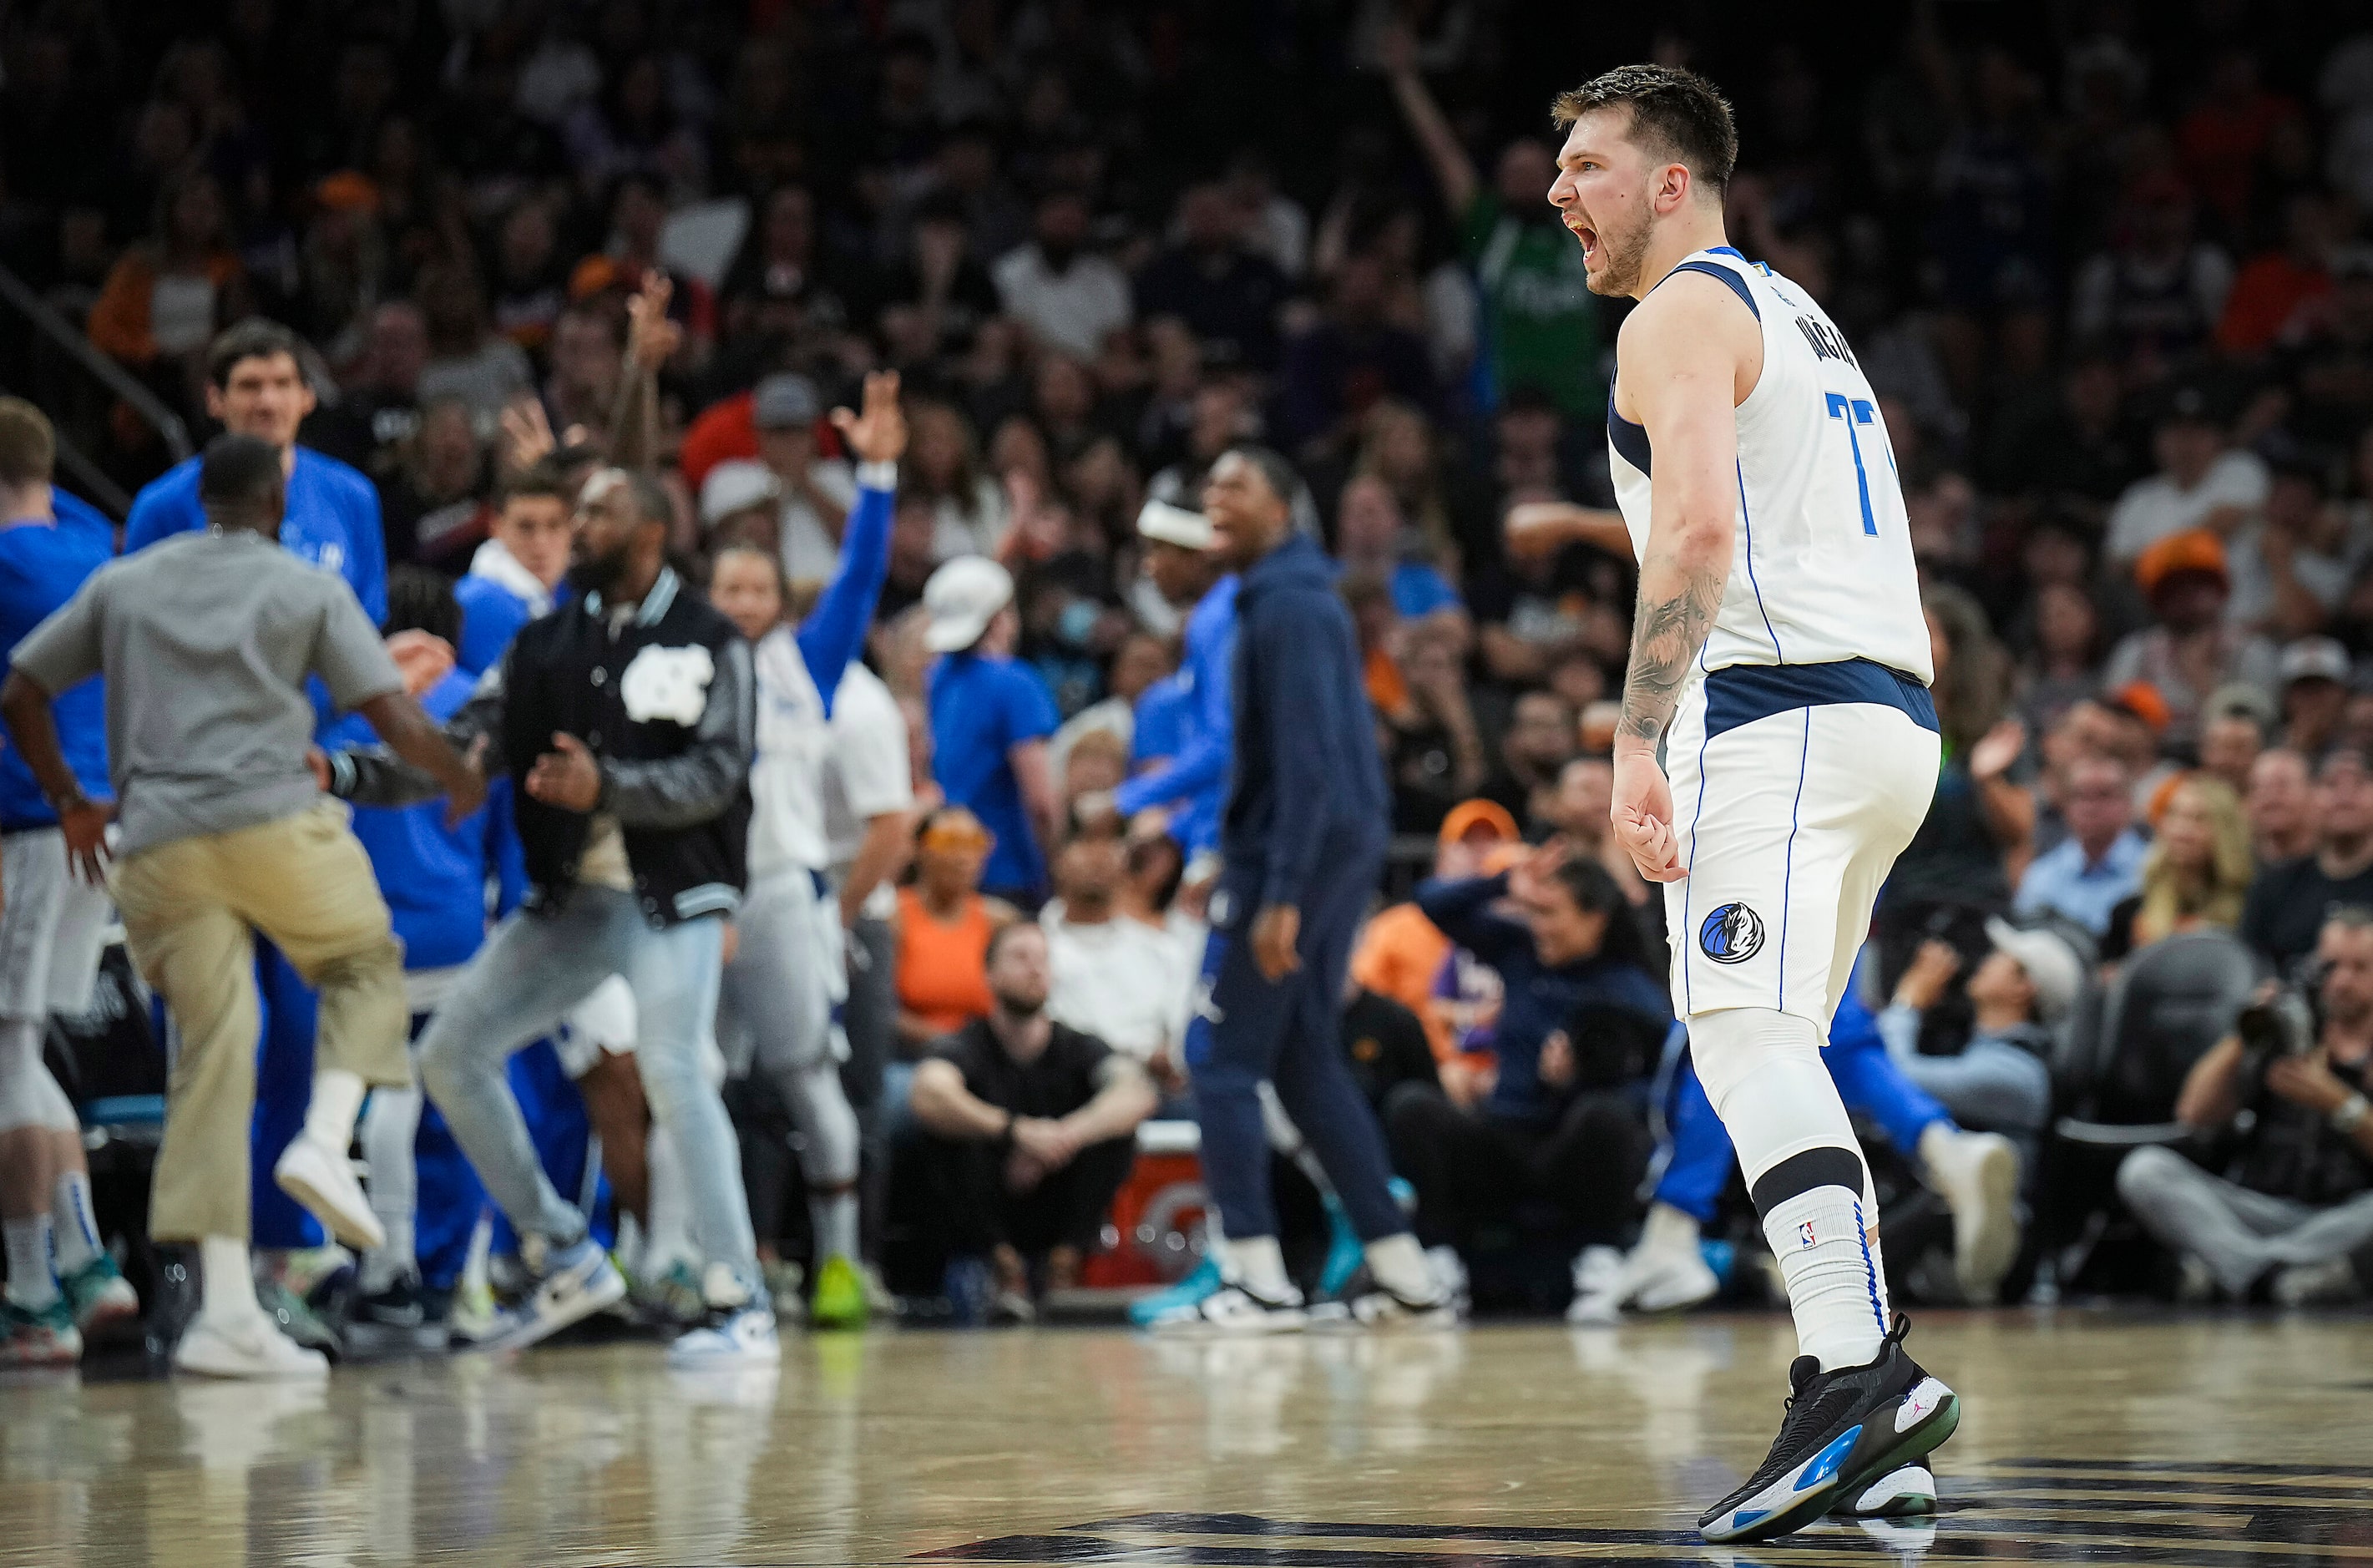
1307 797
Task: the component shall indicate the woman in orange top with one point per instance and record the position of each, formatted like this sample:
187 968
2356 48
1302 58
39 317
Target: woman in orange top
165 297
943 930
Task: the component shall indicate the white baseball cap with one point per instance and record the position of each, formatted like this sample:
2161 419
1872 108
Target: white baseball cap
1175 525
962 597
2052 965
733 485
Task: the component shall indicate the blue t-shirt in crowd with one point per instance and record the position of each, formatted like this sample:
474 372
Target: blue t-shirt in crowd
1419 590
982 706
41 565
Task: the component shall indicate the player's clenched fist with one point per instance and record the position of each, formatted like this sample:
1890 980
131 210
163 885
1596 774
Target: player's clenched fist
1643 816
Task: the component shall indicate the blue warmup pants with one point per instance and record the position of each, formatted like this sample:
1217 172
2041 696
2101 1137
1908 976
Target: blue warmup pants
1291 1034
1868 1080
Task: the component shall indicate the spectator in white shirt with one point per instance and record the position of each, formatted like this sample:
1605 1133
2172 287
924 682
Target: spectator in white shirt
2202 482
1067 299
1115 977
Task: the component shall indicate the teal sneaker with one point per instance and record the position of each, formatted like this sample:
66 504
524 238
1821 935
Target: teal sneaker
1189 1292
39 1337
100 1298
1344 1254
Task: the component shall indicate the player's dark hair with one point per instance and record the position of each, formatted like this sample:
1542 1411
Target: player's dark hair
1674 112
239 480
542 477
29 443
254 338
419 599
1284 482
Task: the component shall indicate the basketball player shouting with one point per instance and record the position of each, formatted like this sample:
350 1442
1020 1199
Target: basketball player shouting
1780 657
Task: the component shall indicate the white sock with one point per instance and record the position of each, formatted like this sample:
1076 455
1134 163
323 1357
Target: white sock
1668 1230
1257 1264
338 1102
32 1283
75 1222
227 1277
1398 1265
1763 1071
1836 1287
834 1214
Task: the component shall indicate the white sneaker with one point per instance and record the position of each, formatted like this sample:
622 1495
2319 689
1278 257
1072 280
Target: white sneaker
2329 1283
1596 1270
1906 1491
1977 1175
322 1179
1382 1310
1232 1310
744 1336
1666 1272
579 1280
244 1346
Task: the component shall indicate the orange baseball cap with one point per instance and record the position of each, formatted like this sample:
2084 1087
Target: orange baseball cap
1468 815
2146 702
2193 550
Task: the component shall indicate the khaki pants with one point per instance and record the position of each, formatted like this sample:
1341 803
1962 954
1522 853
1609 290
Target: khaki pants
188 911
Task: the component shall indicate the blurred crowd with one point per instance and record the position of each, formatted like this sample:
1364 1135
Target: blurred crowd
2112 275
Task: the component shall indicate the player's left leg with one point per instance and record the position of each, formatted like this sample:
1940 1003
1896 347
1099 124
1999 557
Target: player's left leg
1793 821
1975 1172
1315 1084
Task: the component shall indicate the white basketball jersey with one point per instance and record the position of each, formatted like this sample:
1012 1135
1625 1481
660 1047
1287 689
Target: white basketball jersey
1823 569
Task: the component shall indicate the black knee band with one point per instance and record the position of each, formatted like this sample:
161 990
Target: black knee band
1798 1174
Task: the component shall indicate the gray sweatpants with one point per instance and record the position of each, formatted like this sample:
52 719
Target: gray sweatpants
779 992
2238 1234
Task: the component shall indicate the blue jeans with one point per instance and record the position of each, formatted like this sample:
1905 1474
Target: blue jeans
532 971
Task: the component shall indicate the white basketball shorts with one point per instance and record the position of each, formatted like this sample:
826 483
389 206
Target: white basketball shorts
1795 787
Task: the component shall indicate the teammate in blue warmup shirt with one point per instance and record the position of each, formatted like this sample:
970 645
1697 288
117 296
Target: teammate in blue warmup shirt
256 386
62 1283
1193 786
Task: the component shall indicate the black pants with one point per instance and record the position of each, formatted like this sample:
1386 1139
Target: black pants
977 1213
1471 1171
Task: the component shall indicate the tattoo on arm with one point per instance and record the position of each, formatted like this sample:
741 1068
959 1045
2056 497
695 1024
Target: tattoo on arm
1665 638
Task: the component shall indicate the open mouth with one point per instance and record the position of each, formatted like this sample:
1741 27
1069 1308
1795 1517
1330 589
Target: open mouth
1589 238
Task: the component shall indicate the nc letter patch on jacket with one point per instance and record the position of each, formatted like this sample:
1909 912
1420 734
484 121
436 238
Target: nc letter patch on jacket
669 683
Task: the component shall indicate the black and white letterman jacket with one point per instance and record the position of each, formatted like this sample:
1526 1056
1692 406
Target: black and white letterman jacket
666 702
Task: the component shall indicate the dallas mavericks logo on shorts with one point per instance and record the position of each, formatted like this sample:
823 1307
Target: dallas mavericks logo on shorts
1731 935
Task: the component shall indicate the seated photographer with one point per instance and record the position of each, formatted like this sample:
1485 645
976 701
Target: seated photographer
1029 1128
2001 1080
1563 1120
2296 1211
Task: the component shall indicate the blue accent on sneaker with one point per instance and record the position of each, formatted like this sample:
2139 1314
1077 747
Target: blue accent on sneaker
1203 1281
1403 1194
1344 1254
1825 1463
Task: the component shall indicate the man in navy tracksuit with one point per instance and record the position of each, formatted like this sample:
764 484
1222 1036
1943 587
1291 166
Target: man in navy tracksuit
1302 843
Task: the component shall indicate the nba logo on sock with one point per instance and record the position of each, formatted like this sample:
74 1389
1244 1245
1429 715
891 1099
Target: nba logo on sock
1731 934
1805 1234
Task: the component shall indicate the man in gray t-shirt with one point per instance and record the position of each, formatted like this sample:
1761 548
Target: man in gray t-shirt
206 642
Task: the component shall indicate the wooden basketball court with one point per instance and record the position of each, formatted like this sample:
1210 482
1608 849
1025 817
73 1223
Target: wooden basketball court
2172 1441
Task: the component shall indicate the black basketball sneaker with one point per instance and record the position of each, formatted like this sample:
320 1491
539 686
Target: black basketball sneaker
1844 1430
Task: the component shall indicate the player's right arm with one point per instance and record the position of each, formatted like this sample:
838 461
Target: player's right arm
1686 357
